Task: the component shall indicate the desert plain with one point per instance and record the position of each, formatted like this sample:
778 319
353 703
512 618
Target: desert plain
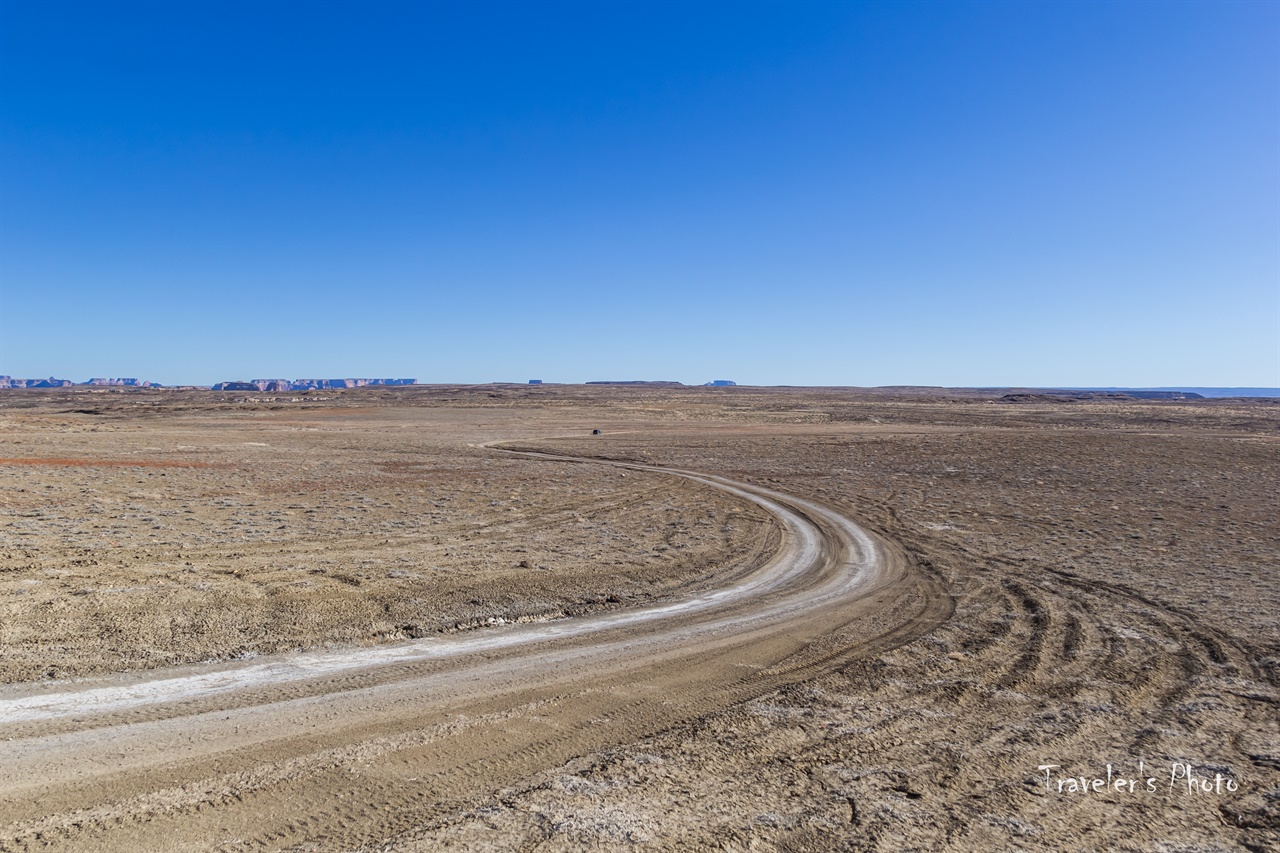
452 617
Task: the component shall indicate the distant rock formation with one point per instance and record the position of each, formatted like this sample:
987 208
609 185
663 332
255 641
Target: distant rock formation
252 385
1071 396
276 385
10 382
128 383
305 384
659 384
1164 395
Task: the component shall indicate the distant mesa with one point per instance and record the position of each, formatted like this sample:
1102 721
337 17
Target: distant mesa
714 383
1191 393
659 384
271 385
130 383
1163 395
1071 395
252 385
10 382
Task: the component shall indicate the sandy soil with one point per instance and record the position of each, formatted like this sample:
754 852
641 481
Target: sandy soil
127 545
1108 572
1116 603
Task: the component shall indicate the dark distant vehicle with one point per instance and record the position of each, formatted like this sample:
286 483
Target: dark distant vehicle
535 381
596 432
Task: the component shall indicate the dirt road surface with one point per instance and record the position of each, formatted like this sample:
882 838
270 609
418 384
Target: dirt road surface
280 752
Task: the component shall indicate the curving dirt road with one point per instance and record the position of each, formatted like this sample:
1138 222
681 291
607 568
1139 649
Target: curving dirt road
344 748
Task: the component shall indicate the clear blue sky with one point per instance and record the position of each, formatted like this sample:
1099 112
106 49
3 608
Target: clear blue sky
856 194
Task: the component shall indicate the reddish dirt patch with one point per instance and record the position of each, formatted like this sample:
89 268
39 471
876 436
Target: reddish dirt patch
103 463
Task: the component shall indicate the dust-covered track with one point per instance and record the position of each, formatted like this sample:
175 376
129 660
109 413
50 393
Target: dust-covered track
366 743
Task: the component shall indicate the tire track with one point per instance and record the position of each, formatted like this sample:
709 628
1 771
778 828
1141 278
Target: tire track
369 743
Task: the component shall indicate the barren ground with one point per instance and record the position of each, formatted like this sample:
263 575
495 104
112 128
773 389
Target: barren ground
1108 571
132 544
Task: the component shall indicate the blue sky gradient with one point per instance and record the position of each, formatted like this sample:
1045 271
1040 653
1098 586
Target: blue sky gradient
987 194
